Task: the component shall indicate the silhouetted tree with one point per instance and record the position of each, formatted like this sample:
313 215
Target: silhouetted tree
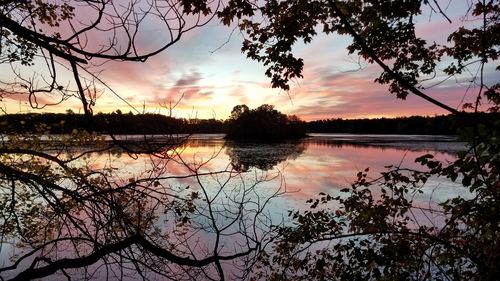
263 122
62 215
238 111
52 201
371 232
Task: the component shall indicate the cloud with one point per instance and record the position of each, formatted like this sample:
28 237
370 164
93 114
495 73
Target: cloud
187 91
189 79
335 84
38 100
333 94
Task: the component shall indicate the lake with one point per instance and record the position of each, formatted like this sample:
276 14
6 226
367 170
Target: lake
319 163
252 186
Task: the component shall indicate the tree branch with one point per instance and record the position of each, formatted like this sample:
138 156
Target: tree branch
385 67
53 267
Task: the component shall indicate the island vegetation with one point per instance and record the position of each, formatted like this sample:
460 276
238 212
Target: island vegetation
263 122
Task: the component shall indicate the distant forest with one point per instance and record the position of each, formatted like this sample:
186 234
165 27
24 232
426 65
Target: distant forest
118 123
414 125
115 123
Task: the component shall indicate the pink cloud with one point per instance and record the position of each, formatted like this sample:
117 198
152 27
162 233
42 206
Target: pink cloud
333 94
186 92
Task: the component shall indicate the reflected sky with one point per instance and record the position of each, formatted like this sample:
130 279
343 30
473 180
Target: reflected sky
263 179
321 163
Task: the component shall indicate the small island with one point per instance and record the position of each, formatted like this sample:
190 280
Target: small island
263 123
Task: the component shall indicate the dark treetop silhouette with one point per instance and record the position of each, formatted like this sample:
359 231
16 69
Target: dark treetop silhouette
263 122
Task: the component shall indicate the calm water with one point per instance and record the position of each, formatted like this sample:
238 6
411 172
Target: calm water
273 178
293 171
301 169
320 163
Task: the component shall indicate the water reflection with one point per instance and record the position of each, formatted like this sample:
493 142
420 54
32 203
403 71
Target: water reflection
321 163
223 205
448 144
263 156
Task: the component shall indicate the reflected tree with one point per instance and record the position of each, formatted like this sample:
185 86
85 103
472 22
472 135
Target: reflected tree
263 156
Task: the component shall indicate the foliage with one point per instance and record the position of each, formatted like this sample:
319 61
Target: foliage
57 123
383 32
413 125
264 122
64 216
130 124
371 230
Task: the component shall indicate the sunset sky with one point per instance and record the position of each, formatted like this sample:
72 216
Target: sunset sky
207 69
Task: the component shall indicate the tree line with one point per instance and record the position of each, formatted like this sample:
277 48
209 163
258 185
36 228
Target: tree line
417 125
149 123
116 123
